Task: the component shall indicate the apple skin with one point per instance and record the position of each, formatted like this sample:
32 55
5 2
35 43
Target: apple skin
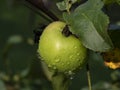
61 53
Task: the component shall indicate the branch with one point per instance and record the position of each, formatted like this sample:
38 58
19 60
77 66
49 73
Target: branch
40 5
88 77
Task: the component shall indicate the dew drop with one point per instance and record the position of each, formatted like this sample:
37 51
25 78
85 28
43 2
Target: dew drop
78 54
75 47
68 63
49 65
54 63
78 60
39 56
57 60
42 59
62 64
71 57
54 67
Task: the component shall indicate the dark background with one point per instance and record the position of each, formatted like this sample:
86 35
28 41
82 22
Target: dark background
18 53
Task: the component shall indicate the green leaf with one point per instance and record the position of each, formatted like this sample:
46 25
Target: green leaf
61 6
90 24
107 2
65 4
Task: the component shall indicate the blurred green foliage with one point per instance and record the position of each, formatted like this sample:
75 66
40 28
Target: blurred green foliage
20 67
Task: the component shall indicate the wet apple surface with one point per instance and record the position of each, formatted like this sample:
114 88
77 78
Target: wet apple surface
61 53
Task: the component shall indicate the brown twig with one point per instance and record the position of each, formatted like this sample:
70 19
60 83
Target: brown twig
40 5
88 77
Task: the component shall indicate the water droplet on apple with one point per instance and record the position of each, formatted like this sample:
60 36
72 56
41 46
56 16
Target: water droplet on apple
49 65
68 63
78 54
54 67
75 47
42 59
54 63
57 60
62 64
78 59
71 57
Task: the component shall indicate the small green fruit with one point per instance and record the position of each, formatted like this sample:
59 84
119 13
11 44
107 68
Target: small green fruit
61 53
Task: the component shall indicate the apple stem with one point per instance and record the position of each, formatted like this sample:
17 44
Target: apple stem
60 81
66 31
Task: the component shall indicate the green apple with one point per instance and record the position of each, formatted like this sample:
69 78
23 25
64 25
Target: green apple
61 53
